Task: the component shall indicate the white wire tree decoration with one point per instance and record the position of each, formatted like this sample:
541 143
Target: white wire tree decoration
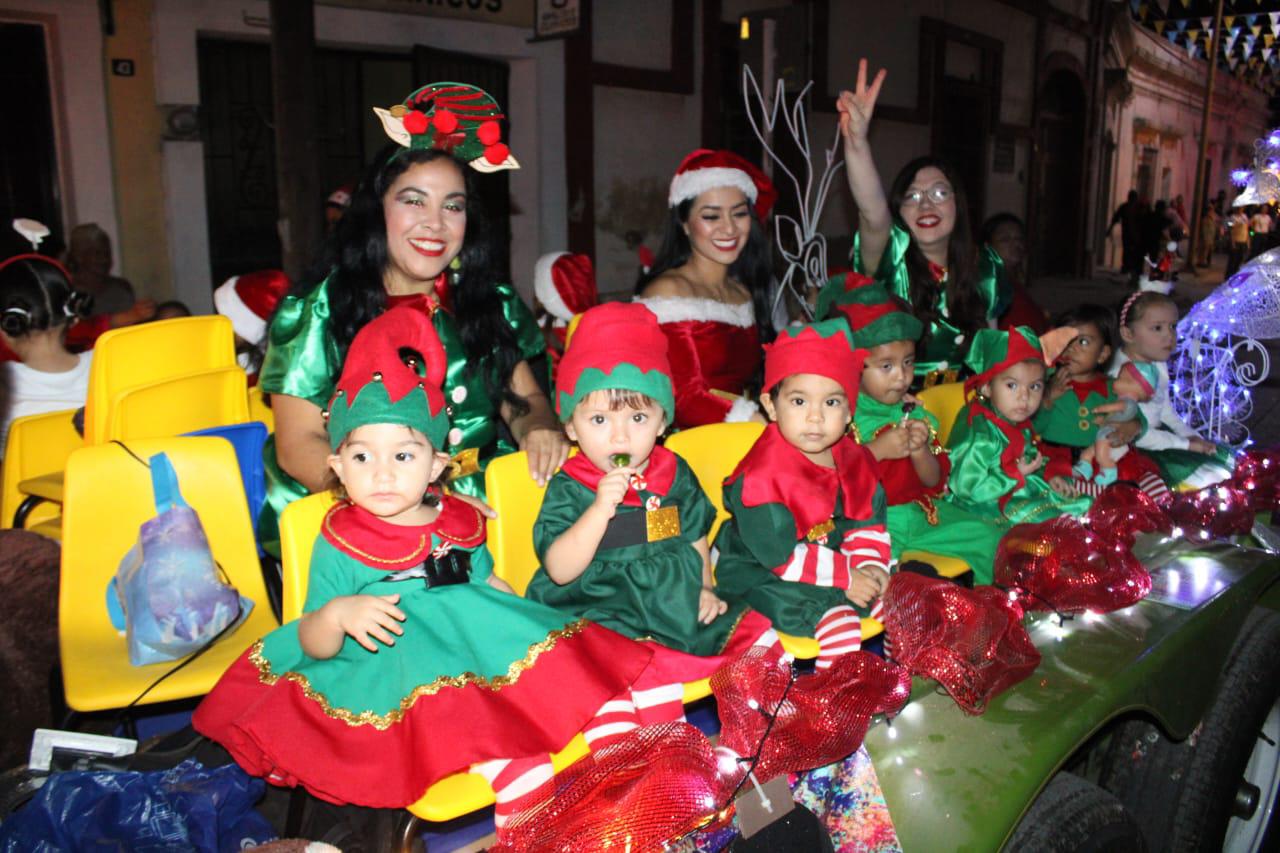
798 241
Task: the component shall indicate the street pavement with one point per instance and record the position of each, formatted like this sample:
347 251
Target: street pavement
1109 287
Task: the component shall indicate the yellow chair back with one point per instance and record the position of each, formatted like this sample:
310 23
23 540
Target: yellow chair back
37 445
181 404
713 451
128 357
108 495
945 402
259 410
518 499
299 526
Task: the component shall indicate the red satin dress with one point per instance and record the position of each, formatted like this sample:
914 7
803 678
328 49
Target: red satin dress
713 347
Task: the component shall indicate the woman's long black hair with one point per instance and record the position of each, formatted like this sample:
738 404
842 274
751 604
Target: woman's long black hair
355 258
752 267
964 303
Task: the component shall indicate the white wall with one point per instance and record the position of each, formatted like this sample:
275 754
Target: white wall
536 111
79 109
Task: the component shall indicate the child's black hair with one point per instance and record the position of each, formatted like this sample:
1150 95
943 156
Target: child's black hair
35 295
1100 317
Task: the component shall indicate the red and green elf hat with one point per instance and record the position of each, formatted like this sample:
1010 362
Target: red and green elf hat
615 346
873 315
996 350
823 348
378 387
454 117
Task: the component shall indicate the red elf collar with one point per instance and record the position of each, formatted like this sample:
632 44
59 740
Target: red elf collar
658 475
378 544
1094 386
774 471
437 297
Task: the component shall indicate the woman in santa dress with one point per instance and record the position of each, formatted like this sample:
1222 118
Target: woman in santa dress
709 285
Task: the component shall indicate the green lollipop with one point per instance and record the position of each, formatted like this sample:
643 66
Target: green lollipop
620 460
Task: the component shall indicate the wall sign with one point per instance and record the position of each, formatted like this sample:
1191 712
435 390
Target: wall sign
556 18
122 67
512 13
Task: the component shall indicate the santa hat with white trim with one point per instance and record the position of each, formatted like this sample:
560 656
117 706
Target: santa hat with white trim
248 300
706 169
565 284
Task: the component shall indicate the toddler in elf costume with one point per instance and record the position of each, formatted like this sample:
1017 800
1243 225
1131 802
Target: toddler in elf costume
996 459
901 433
622 533
411 661
807 544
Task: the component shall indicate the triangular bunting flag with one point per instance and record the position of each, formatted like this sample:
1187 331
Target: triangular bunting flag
1266 54
1268 39
1164 6
1275 21
1256 29
1204 23
1180 24
1159 28
1143 8
1228 20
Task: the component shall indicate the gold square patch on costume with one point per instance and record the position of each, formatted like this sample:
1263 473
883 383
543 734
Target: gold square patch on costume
662 523
820 530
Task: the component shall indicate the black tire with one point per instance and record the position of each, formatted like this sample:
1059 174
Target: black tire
1181 793
1072 815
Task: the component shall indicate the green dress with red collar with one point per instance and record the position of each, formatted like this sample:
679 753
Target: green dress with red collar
646 578
985 451
1069 420
780 550
919 518
478 674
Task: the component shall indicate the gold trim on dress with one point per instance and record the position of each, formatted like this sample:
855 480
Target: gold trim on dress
382 722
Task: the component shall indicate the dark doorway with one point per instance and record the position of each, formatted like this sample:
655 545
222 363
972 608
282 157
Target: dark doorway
28 160
430 65
961 132
1060 187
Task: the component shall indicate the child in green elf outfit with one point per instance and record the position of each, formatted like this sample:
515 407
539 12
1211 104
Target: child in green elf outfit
902 434
622 533
807 544
996 459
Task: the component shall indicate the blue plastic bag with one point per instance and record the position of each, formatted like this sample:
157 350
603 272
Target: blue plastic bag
168 583
186 808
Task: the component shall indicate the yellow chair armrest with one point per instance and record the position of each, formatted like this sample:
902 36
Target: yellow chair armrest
47 487
947 567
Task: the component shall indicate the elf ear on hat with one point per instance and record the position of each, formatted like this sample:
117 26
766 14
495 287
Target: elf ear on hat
377 387
454 117
615 346
565 284
705 169
248 300
823 348
873 315
995 350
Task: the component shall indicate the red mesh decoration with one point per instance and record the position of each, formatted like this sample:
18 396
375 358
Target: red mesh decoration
1123 511
1061 565
1257 474
823 718
658 783
1214 512
971 641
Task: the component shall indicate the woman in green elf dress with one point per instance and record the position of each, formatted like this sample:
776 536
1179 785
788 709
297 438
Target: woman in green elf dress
414 235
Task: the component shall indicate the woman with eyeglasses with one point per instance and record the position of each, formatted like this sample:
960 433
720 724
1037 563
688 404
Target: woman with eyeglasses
919 242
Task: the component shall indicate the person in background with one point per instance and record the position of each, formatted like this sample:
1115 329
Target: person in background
1210 225
1260 224
1129 215
248 301
171 309
336 205
564 286
1006 234
89 261
1238 226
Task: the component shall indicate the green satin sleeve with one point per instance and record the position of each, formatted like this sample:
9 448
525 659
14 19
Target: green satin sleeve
528 336
892 271
767 531
977 481
993 284
302 358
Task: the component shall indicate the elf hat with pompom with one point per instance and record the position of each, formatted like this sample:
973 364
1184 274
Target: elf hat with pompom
615 346
705 169
996 350
458 118
378 386
823 348
248 300
874 316
565 284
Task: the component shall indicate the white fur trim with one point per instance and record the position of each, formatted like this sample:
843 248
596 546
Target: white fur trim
680 309
741 410
228 303
695 182
545 288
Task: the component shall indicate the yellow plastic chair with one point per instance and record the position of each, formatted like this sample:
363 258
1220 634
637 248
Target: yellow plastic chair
36 453
453 796
944 402
259 410
139 355
180 404
108 496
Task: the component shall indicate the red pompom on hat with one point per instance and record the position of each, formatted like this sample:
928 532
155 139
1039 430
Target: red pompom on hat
821 348
248 301
705 169
565 284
